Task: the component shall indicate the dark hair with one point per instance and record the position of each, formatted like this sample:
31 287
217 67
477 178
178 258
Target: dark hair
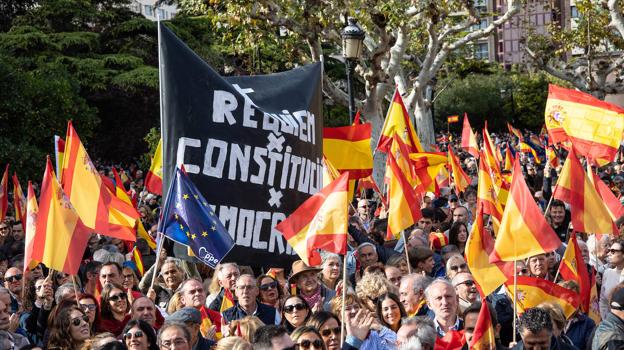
104 306
475 308
454 233
285 322
534 320
147 330
60 336
280 292
557 203
427 213
394 298
181 326
114 345
95 325
89 267
395 260
112 263
419 254
318 319
299 331
265 334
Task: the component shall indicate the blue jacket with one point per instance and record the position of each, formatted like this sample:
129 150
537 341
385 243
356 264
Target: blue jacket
580 330
265 313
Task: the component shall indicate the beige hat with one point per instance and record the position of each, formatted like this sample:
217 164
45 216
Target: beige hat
299 267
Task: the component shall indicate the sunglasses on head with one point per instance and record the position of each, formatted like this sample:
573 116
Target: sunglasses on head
267 286
291 308
76 321
117 297
129 335
13 278
306 344
327 332
458 267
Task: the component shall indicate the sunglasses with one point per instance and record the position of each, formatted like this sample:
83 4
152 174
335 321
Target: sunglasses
291 308
129 335
306 344
13 278
117 297
89 307
59 276
459 267
76 321
612 251
524 271
328 331
267 286
468 283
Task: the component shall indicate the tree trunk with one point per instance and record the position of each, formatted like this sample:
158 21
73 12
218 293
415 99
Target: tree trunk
374 114
424 117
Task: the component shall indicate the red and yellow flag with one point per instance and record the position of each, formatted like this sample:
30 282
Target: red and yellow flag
404 201
460 178
523 231
593 127
533 291
4 193
32 208
478 247
488 144
398 122
573 268
19 200
427 166
509 159
60 236
589 213
483 336
348 148
59 153
551 157
469 139
99 209
610 200
452 119
514 131
228 300
525 148
153 179
319 223
486 194
138 260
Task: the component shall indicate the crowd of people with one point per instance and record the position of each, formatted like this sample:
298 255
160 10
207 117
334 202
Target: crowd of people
397 294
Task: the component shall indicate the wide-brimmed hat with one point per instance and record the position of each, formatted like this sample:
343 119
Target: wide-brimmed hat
299 267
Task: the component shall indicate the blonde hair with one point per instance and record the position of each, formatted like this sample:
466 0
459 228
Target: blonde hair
248 326
556 314
335 305
233 343
174 303
373 285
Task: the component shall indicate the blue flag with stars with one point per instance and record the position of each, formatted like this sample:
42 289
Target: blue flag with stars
188 219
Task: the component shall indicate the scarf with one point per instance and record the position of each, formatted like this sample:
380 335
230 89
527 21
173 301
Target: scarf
314 298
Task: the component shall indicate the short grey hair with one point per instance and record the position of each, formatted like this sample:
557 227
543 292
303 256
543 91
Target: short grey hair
182 326
325 257
104 256
61 290
425 332
366 244
169 260
222 266
453 258
419 282
437 281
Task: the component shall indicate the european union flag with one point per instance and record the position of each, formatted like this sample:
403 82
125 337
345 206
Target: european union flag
188 219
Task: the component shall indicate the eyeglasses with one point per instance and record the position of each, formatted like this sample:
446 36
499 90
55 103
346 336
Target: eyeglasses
290 308
267 286
76 321
459 267
328 331
128 277
612 251
468 283
363 206
89 307
167 344
129 335
306 344
13 278
117 297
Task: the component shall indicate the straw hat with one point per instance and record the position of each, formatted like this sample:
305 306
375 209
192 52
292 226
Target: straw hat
299 267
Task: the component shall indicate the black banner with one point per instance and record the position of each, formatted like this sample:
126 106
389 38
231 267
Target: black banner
252 145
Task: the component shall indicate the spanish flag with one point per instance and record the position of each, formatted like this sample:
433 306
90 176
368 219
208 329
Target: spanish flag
469 139
525 148
19 200
32 208
483 336
478 247
523 231
121 193
59 153
509 159
589 213
398 122
138 260
427 166
60 236
610 200
514 131
594 127
4 193
99 209
404 202
348 148
228 300
319 223
486 194
153 179
533 291
551 157
573 268
488 144
452 119
460 178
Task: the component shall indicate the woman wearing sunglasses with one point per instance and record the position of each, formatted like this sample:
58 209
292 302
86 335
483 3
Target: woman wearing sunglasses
90 307
69 330
270 291
329 328
139 335
295 312
307 338
114 310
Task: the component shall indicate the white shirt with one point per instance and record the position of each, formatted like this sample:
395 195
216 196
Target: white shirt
610 279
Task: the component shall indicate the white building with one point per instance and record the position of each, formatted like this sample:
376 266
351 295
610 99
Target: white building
147 9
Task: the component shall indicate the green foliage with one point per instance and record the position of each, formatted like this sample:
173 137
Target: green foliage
152 138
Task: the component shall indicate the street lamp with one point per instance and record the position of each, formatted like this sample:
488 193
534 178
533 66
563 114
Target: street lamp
352 44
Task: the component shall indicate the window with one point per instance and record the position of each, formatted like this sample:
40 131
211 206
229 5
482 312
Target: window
149 10
481 51
481 25
574 12
162 14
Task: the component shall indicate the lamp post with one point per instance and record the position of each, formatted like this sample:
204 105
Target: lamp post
352 44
